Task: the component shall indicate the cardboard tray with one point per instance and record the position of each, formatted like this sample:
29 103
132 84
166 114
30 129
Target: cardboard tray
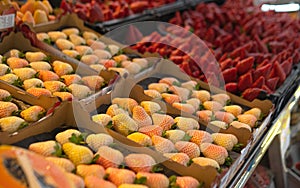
49 104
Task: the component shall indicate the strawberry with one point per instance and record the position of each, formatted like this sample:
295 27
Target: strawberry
46 148
231 87
114 110
151 130
162 145
163 120
215 152
64 44
10 78
170 98
79 91
94 182
120 176
78 154
170 81
65 164
61 68
76 39
5 95
266 89
186 124
33 82
194 102
39 92
287 66
184 182
239 125
64 137
245 81
7 109
54 86
4 69
175 135
248 119
254 111
98 67
272 83
190 85
55 35
141 117
160 87
120 58
140 138
139 162
189 148
95 141
180 158
153 93
202 95
64 96
277 70
77 180
198 137
109 157
33 113
228 141
259 82
102 119
184 107
124 124
90 35
154 180
12 123
46 75
84 170
142 62
230 75
183 93
252 93
24 73
71 79
151 107
89 59
220 124
224 116
222 98
205 115
15 62
212 106
93 82
262 71
227 63
125 103
203 161
233 109
129 185
245 65
35 56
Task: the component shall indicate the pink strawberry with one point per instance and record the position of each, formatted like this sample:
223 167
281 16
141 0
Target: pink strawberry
163 120
162 145
180 158
188 108
141 117
222 98
93 82
183 93
154 180
120 176
184 182
198 137
189 148
109 157
139 162
151 130
169 80
205 115
170 98
212 151
84 170
224 116
15 62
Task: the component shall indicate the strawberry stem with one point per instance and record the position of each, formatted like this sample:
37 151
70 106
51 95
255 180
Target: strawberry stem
177 84
110 125
48 41
228 161
8 71
21 55
95 158
23 125
228 102
186 137
18 83
197 87
141 180
41 114
79 140
201 185
47 59
16 113
157 168
57 150
201 107
190 162
172 180
7 99
174 126
4 60
105 177
238 147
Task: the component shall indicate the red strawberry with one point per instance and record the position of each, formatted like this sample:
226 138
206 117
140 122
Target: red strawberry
227 63
262 71
231 87
259 82
287 65
189 148
251 93
267 89
278 71
272 83
139 162
230 75
245 81
245 65
120 176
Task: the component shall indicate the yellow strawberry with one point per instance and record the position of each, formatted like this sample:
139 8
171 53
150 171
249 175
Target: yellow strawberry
140 138
153 93
32 83
203 161
35 56
12 123
24 73
160 87
7 109
84 170
254 111
221 98
124 124
62 68
234 109
5 95
202 95
186 124
63 137
78 154
228 141
40 65
248 119
141 117
102 119
125 103
150 107
212 106
33 113
170 81
46 148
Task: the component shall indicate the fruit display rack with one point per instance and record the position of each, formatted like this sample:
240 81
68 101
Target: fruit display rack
151 111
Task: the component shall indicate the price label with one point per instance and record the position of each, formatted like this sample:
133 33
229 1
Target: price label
7 21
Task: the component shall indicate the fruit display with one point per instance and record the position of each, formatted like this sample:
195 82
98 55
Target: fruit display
94 11
93 160
255 51
88 48
15 114
35 12
38 75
